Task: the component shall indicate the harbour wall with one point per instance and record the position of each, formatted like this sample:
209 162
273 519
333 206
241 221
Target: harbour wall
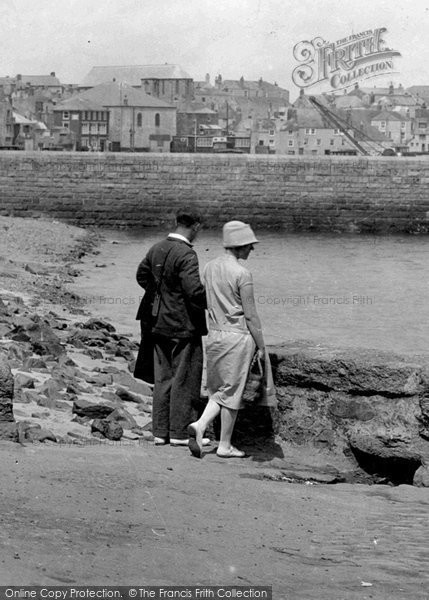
332 194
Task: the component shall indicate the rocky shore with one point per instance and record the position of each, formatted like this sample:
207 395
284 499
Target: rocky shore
66 378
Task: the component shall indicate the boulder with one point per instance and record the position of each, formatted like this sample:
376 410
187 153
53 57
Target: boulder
83 408
6 391
80 338
23 380
99 324
34 362
370 406
110 430
128 396
421 477
123 417
125 379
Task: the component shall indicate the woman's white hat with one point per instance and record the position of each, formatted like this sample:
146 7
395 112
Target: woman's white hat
237 233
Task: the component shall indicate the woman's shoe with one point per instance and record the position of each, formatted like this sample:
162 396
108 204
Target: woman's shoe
195 441
231 453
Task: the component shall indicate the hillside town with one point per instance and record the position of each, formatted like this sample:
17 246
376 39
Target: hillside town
161 108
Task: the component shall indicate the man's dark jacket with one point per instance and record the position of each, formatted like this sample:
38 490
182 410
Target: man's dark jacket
183 300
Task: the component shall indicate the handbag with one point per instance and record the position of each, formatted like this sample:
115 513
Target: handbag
255 381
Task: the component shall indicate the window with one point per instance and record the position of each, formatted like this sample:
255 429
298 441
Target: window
84 141
382 125
85 128
271 141
422 124
310 131
291 151
402 125
331 142
66 115
157 120
314 152
290 132
93 128
206 142
102 128
422 137
305 141
319 141
66 124
139 120
337 131
271 132
290 143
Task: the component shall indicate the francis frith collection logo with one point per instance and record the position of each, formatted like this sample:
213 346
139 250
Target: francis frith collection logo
344 62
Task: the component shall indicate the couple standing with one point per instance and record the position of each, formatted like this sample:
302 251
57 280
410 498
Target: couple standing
173 321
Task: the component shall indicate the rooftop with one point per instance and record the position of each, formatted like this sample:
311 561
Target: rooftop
133 74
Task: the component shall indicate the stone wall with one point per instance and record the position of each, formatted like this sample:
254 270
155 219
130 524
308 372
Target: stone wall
351 194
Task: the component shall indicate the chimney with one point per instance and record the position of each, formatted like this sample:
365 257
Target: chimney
52 73
207 77
19 77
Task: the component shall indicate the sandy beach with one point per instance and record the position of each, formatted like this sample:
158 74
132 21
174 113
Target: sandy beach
85 510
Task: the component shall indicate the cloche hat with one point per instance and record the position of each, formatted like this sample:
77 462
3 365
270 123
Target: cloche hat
237 233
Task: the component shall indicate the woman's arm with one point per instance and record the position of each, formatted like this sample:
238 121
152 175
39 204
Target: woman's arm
252 319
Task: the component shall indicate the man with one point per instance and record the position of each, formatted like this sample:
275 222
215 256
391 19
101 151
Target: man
172 313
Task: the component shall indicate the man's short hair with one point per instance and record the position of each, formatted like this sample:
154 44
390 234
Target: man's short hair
187 217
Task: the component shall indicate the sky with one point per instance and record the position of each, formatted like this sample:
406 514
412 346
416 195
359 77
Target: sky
249 38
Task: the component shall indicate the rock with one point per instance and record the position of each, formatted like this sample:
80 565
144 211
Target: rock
19 351
93 353
366 405
51 388
128 396
6 391
99 324
387 458
365 372
83 408
25 396
110 430
123 417
44 414
38 434
421 477
23 380
34 362
9 431
125 379
80 338
98 379
38 269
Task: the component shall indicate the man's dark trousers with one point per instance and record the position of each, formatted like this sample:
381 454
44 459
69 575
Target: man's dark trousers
178 365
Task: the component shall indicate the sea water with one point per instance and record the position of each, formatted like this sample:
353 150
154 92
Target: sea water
356 291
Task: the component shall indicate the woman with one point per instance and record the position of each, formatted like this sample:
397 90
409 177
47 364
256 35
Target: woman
234 334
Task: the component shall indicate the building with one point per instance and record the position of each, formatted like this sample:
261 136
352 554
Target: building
118 117
192 119
86 122
166 82
395 126
419 141
6 123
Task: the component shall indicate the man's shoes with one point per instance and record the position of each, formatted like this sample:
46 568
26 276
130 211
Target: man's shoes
175 442
159 441
231 453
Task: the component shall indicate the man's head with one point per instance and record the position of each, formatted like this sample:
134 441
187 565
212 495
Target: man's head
188 222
